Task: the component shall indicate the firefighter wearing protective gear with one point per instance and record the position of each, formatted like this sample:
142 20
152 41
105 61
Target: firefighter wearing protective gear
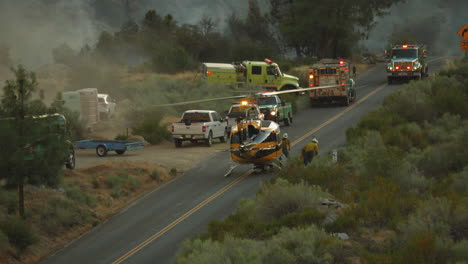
309 151
286 145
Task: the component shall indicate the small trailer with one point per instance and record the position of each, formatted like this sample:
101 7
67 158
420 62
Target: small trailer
103 146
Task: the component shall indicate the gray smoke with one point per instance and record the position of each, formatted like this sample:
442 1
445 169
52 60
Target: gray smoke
32 28
431 22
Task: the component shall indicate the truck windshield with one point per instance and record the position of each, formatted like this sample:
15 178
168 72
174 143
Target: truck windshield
237 111
327 71
404 53
266 100
196 117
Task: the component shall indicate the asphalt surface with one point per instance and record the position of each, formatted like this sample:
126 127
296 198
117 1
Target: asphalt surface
165 217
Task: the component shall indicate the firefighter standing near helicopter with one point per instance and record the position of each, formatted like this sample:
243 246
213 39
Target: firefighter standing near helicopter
309 151
286 145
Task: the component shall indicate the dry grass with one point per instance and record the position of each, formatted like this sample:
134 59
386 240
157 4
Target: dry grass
106 206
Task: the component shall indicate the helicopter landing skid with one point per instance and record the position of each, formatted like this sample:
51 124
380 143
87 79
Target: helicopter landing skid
230 171
263 168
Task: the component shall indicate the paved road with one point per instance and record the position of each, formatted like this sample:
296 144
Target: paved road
164 218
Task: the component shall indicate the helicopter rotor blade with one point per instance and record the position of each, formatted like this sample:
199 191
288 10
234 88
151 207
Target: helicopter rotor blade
200 101
298 90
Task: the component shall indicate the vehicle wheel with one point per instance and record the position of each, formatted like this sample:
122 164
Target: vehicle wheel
178 143
120 152
224 137
209 141
101 151
71 160
287 122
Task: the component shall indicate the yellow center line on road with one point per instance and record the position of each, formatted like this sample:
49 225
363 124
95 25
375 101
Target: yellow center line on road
181 218
233 183
340 114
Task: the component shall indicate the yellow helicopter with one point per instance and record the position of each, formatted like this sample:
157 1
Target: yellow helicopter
254 141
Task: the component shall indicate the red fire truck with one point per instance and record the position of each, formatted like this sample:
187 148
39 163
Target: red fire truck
335 77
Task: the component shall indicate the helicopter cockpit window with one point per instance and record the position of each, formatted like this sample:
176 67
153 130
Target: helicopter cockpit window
266 123
235 138
252 131
264 136
196 117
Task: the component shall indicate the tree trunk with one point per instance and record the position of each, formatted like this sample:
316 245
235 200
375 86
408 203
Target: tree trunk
21 199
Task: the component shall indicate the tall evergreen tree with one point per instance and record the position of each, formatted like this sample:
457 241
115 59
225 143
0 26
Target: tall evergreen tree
22 134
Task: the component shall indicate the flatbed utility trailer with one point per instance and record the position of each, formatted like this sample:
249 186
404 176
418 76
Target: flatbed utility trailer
103 146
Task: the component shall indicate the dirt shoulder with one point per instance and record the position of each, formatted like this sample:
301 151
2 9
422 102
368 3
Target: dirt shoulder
164 155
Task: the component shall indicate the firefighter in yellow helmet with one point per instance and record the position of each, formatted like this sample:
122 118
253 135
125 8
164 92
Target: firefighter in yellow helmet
309 151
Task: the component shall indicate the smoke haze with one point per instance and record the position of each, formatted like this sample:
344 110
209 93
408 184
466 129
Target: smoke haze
32 28
431 22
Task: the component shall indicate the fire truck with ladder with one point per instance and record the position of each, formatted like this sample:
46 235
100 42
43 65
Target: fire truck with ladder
406 62
335 78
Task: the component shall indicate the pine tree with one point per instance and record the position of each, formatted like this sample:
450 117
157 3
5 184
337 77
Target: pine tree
24 135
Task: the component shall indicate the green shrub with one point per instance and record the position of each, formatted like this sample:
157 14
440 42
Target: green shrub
9 200
343 223
95 182
75 193
432 216
133 183
116 180
121 184
155 175
151 129
173 171
307 245
3 241
281 198
62 213
306 217
460 251
460 182
171 59
382 204
459 222
20 234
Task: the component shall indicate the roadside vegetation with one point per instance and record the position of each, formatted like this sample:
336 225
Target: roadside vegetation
400 187
83 199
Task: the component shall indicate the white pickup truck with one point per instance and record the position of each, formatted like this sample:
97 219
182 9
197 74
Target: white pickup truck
198 125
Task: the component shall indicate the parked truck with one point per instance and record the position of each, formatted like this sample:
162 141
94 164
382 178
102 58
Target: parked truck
85 103
336 75
274 109
406 62
46 133
262 73
199 125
